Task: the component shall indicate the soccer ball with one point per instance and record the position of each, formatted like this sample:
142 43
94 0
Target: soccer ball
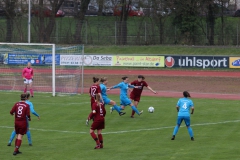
151 109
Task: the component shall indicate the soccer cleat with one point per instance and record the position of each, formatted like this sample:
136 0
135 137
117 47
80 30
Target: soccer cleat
32 96
9 144
87 122
101 145
173 137
16 152
132 116
111 110
192 139
121 113
141 112
30 144
97 147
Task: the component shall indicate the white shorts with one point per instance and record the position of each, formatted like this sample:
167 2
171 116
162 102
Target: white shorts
27 81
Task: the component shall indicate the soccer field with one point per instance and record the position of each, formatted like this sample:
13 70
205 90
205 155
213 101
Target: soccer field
61 133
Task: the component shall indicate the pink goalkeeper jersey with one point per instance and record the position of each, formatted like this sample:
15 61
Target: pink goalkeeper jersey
27 73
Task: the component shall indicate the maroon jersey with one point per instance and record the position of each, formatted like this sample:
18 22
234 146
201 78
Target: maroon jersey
93 90
138 91
21 110
100 111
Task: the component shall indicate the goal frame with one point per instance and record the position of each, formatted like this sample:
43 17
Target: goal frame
53 62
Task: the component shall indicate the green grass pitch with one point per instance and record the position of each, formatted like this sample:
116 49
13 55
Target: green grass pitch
61 133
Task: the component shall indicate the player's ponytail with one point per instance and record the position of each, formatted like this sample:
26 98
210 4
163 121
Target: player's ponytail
95 79
103 79
186 94
124 78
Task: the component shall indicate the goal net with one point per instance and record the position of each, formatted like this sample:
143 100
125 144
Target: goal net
57 69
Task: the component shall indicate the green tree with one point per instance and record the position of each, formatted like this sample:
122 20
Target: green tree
44 25
9 6
80 20
185 18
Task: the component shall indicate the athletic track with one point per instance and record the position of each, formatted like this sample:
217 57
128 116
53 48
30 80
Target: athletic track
175 73
157 73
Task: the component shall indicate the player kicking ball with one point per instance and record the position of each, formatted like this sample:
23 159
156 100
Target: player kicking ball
98 124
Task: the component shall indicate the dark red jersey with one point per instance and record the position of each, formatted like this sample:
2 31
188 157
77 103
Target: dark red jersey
21 111
100 111
138 91
93 90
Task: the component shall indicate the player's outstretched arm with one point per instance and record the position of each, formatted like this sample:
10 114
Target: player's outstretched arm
116 86
151 90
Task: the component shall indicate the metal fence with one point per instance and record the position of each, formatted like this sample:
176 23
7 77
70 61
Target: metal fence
136 32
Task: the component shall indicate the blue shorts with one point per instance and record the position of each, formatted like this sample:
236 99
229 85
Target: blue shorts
125 101
106 100
186 119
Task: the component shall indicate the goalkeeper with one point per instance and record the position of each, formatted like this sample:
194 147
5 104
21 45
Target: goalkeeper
27 75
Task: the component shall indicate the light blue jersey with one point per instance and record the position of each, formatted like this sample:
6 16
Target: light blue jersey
104 94
184 105
123 88
125 101
31 108
104 90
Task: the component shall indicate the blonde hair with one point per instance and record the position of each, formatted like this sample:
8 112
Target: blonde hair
103 79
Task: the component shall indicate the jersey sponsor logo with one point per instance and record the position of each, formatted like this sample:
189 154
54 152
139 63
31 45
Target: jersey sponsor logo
169 62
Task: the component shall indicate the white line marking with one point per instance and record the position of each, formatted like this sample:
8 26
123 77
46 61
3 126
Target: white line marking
119 132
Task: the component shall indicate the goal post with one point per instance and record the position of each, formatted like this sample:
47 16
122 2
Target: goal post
57 68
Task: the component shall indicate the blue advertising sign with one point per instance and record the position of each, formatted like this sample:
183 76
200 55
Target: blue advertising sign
197 61
35 59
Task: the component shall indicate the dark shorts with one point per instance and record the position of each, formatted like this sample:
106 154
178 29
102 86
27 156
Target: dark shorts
98 125
135 98
21 127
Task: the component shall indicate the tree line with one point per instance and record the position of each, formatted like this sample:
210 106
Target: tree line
186 15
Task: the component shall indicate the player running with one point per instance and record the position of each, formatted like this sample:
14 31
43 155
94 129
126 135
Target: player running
27 75
98 124
136 92
93 91
21 110
106 100
28 131
124 100
183 108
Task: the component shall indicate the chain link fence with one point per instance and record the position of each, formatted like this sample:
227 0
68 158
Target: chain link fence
143 31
